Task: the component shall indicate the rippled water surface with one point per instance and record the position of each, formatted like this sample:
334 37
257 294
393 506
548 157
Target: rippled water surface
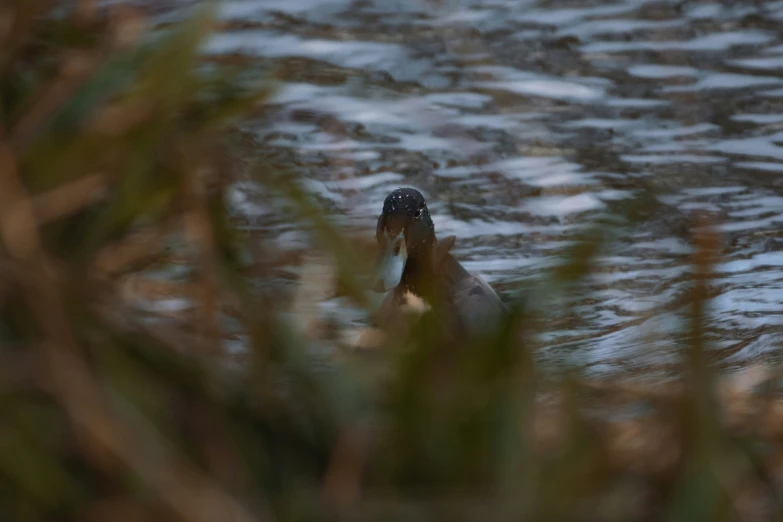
522 120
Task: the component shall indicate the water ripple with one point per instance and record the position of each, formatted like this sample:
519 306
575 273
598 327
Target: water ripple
521 121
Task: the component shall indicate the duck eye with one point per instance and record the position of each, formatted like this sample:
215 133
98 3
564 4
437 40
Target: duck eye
417 215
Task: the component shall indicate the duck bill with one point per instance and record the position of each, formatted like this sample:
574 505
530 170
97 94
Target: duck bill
391 264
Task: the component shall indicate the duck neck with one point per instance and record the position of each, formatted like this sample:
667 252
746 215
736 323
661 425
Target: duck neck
419 276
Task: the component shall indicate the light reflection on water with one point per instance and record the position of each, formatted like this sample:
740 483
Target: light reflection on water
522 120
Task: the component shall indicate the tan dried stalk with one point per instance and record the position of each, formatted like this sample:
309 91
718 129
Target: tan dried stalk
107 435
76 68
69 199
199 231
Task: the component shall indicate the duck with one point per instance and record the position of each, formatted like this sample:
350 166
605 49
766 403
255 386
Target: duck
416 270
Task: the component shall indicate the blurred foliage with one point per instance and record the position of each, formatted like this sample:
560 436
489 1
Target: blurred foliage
119 146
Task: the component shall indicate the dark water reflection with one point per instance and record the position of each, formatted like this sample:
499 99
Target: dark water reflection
521 120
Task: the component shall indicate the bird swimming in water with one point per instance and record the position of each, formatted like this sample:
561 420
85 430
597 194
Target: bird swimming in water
414 264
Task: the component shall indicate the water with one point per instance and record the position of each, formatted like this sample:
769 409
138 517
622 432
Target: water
523 120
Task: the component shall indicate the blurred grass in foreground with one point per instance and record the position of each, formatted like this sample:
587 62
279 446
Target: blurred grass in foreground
116 147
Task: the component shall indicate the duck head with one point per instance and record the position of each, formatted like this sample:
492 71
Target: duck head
405 235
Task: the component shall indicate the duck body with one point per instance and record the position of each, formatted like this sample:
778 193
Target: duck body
415 267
